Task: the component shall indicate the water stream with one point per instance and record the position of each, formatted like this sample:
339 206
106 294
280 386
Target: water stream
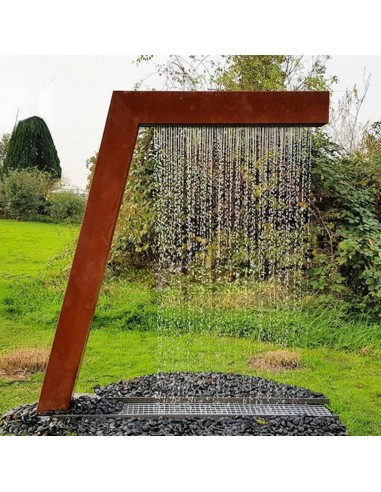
232 214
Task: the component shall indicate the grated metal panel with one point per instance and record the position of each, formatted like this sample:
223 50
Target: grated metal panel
253 400
233 409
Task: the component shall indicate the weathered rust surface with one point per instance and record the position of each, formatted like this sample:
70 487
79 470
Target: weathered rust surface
229 108
128 111
90 258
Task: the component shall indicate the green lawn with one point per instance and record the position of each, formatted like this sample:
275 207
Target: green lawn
124 342
26 247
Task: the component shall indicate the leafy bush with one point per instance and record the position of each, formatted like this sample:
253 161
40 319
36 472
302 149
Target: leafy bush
134 244
23 193
66 206
346 255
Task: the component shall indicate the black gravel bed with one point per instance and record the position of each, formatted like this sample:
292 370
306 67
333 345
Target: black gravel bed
24 420
188 384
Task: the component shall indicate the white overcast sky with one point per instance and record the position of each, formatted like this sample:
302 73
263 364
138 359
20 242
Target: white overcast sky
72 94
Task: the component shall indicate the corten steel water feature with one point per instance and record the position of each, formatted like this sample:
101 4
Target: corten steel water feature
129 111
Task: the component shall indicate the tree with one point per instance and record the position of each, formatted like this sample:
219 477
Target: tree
275 72
90 164
241 72
31 146
346 128
371 142
4 144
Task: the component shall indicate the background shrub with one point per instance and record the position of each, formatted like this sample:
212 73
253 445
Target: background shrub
346 227
23 194
65 206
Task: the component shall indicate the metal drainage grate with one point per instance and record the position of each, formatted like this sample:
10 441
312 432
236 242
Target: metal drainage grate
203 409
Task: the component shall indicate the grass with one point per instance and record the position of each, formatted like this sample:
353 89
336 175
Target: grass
276 360
28 246
339 356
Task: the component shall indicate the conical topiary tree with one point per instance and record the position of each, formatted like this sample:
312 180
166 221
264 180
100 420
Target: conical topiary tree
31 146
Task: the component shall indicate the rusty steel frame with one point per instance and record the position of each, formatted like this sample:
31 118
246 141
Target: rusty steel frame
129 111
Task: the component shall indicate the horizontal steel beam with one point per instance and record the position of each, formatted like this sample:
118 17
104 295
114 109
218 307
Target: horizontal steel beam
227 108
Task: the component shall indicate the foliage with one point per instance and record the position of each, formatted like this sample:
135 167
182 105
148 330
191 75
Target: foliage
346 128
28 194
90 164
274 72
65 206
372 140
347 251
370 152
4 144
31 146
247 72
23 193
133 246
241 72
